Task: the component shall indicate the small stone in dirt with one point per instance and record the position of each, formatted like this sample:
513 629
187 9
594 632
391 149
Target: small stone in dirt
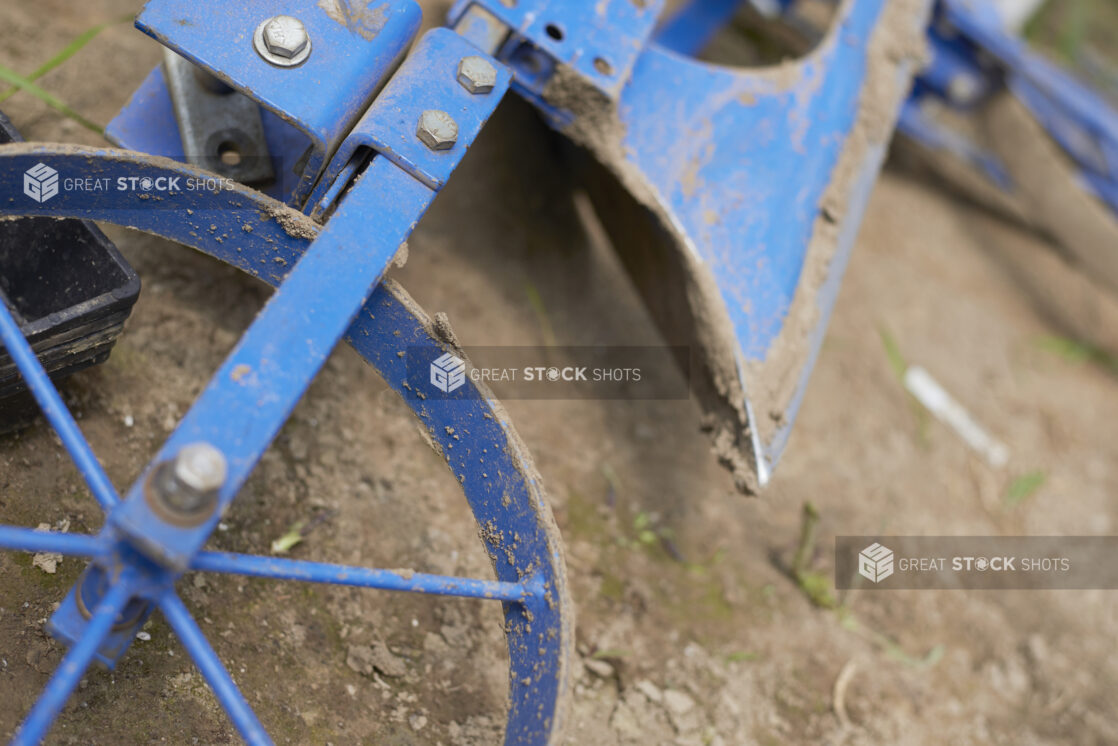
366 658
435 644
650 690
360 659
624 722
46 561
417 722
678 703
601 669
387 663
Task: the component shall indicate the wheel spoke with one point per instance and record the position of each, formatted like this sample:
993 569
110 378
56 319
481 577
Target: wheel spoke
74 664
17 539
361 577
212 669
55 410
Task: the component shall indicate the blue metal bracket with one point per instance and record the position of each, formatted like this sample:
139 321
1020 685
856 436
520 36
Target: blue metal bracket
354 51
599 41
427 80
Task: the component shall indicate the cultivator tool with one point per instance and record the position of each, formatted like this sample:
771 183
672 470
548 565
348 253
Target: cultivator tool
301 142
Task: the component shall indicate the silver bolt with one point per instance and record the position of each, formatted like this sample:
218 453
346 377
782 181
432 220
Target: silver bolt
183 490
282 41
963 88
437 130
477 75
200 467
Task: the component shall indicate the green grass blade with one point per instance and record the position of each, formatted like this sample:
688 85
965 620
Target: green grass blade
536 301
1077 353
893 352
69 51
1021 488
14 78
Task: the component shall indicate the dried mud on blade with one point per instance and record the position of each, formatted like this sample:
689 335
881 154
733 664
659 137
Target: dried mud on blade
734 198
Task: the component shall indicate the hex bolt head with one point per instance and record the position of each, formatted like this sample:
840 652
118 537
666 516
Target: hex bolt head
477 75
183 490
962 88
437 130
283 41
200 467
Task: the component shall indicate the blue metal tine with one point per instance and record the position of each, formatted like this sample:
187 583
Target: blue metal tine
360 577
55 410
74 665
19 539
210 665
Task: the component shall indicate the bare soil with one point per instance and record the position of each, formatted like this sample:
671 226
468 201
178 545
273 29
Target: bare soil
689 629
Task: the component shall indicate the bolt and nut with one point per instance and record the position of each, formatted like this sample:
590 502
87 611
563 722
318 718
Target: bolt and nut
283 41
200 467
185 488
477 75
437 130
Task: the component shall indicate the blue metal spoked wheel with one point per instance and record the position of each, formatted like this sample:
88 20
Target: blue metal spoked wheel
134 564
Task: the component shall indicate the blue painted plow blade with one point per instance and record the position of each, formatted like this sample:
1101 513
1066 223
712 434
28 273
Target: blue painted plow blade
734 197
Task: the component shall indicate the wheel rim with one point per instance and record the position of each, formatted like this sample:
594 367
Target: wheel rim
470 430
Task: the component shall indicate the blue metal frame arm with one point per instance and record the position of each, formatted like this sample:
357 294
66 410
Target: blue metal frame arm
269 370
973 55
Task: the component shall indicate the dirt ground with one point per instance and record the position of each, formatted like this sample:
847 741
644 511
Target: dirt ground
689 629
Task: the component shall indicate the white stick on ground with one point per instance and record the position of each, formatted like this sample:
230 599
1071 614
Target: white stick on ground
948 411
